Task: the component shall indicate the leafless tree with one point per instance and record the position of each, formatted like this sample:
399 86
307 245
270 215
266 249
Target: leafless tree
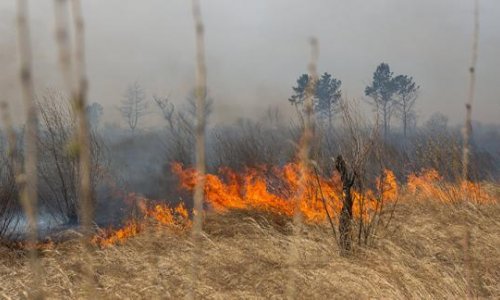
9 197
134 106
188 113
167 108
181 126
59 166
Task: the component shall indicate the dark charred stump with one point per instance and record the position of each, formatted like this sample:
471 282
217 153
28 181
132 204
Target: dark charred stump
345 220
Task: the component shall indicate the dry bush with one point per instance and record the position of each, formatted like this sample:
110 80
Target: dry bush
437 148
179 136
58 167
250 144
362 168
9 199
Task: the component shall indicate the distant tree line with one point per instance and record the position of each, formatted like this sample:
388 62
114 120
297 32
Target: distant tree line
389 94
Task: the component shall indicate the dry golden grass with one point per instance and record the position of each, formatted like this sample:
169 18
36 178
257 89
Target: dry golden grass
420 256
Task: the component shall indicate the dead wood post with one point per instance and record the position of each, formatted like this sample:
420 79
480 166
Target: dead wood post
348 178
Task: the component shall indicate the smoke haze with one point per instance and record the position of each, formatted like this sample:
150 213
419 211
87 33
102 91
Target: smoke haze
257 49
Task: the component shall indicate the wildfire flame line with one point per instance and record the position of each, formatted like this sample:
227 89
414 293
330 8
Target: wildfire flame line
252 190
272 189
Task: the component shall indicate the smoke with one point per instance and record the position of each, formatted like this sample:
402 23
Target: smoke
257 49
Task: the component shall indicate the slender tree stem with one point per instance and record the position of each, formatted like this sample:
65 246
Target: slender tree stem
28 182
467 130
303 157
74 73
198 197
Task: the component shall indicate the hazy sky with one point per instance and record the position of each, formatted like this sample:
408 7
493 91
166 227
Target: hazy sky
257 49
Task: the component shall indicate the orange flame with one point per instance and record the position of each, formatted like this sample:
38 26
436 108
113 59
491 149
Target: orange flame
274 190
162 214
255 189
430 185
110 237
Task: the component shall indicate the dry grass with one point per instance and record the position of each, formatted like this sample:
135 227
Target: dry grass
420 256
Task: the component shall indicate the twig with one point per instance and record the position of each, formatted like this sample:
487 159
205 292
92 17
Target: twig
330 220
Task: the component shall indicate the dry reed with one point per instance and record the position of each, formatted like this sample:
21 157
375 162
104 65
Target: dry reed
245 257
467 129
28 182
74 73
197 230
303 156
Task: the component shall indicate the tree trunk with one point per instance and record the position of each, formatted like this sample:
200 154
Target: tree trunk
404 124
329 116
385 120
405 118
345 220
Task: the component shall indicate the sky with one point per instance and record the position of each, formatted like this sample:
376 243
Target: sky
257 49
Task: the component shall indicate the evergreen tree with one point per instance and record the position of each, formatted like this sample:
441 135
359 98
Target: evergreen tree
407 93
381 91
327 96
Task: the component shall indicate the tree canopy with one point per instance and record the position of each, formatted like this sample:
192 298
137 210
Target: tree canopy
327 93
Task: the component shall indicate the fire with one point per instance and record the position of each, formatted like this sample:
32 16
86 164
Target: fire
165 215
110 237
273 190
430 185
162 214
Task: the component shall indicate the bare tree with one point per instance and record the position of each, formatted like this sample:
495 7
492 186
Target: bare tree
181 126
9 201
167 109
9 167
59 166
134 106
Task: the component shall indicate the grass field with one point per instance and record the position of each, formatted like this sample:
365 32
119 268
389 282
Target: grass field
422 254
